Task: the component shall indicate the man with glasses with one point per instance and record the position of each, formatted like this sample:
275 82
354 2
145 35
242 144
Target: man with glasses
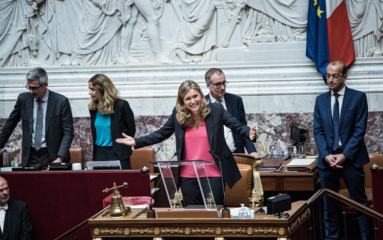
340 121
216 83
46 120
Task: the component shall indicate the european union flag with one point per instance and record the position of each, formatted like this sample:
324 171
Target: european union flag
317 38
328 34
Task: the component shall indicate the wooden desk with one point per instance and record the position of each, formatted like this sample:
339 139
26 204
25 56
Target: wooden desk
296 227
283 181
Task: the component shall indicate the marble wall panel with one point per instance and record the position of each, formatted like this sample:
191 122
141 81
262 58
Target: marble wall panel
273 133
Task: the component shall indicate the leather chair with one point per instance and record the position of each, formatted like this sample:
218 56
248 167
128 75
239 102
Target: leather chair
375 158
76 155
242 190
140 158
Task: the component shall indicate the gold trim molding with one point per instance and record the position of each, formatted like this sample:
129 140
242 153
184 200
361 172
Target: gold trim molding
189 231
300 219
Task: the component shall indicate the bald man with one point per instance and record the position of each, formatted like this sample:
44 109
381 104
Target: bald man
14 216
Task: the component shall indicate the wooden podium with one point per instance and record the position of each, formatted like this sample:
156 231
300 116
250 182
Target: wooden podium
296 226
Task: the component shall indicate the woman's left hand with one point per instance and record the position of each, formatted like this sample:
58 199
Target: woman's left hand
253 133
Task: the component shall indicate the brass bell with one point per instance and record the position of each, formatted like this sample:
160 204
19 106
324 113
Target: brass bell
117 208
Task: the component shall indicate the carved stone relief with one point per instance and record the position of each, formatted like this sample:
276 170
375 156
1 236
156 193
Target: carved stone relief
366 23
120 32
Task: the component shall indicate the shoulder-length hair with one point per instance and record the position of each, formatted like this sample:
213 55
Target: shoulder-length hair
108 94
184 116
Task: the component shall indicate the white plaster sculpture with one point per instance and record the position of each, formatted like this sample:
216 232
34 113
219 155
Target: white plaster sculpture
276 21
197 33
107 28
110 32
58 35
366 23
18 33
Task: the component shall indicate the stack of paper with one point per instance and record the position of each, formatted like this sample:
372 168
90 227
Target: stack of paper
305 165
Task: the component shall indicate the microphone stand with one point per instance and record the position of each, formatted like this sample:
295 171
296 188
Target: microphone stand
151 213
225 211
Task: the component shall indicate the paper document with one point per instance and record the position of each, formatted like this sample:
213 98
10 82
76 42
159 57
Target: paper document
153 177
6 169
135 207
301 162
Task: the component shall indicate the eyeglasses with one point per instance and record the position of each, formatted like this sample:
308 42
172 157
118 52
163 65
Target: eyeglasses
219 85
335 76
34 89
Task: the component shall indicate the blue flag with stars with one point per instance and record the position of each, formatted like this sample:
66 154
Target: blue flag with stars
317 38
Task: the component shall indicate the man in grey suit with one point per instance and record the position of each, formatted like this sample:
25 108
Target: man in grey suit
46 120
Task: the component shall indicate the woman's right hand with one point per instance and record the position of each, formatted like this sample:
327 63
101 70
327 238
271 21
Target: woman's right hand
127 140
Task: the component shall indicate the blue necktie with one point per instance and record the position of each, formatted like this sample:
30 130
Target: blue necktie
217 101
335 123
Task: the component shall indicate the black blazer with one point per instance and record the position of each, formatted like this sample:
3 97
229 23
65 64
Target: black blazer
121 121
214 127
17 224
58 125
234 105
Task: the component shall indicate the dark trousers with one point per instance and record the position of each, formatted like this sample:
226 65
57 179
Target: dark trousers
354 179
107 154
39 159
191 191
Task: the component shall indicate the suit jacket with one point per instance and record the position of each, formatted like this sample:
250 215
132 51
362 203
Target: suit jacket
214 122
17 225
121 121
353 123
58 125
234 105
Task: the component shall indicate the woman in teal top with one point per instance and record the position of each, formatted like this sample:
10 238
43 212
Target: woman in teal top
110 117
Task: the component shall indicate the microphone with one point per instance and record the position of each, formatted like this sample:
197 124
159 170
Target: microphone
150 213
225 211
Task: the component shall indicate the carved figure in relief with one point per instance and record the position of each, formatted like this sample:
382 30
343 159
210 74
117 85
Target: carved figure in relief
18 34
98 41
197 34
233 9
275 21
58 35
366 23
107 28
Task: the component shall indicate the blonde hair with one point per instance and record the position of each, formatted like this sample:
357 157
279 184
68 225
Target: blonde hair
184 116
108 94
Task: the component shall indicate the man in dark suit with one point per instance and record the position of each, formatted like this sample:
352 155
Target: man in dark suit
14 216
47 123
216 83
340 120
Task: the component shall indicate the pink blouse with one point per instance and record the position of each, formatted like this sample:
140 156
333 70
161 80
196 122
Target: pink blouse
197 147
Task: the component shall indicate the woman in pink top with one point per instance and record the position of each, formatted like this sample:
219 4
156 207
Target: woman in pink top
198 127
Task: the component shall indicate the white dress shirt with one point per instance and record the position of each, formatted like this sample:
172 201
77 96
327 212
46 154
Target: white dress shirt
44 104
340 100
3 211
228 133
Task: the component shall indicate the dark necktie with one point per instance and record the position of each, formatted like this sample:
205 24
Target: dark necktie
335 122
39 125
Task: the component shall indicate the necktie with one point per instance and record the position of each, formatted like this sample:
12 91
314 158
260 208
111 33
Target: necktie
39 125
335 122
5 208
217 101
